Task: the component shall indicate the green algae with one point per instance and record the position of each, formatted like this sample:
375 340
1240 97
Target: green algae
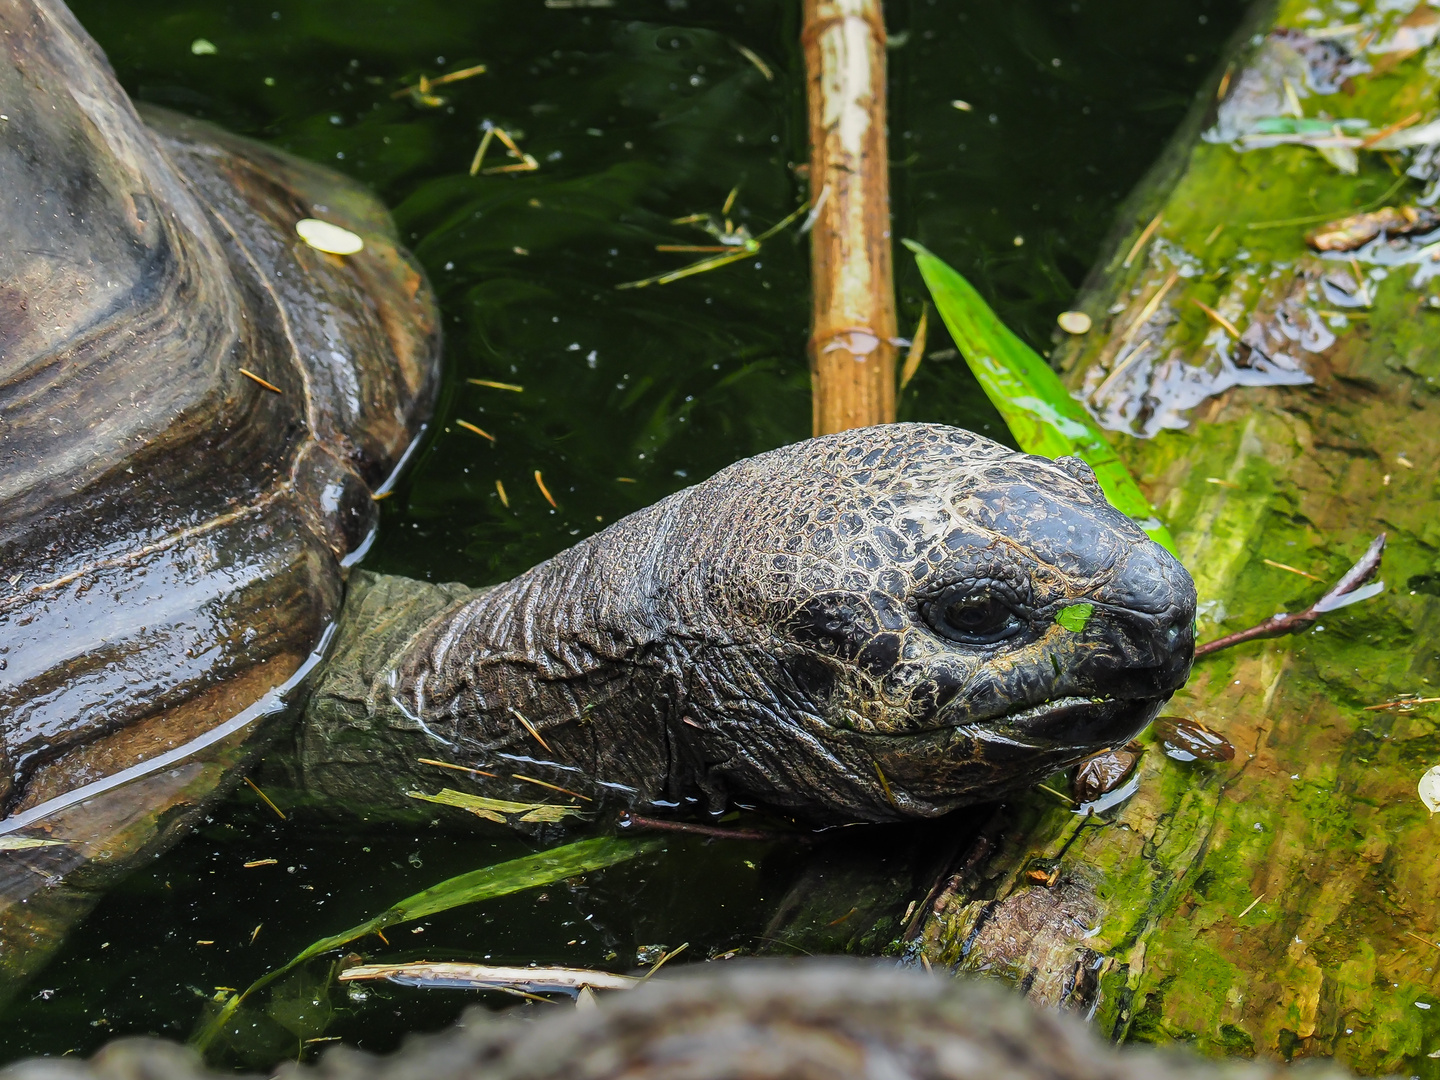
1282 904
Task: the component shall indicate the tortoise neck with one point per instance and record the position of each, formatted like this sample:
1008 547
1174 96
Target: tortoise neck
570 668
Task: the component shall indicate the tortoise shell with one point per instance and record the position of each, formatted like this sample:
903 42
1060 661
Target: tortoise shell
173 532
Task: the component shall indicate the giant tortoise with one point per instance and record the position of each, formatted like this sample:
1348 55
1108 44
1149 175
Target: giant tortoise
196 412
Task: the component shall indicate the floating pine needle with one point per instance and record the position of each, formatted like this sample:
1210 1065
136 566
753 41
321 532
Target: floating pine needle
1402 703
525 162
265 799
760 65
1141 240
260 862
745 247
1389 129
420 92
496 385
885 785
1354 586
1292 569
263 382
540 483
717 832
458 768
500 490
1062 797
529 726
917 348
478 431
255 933
1251 907
665 959
1219 320
1135 327
545 784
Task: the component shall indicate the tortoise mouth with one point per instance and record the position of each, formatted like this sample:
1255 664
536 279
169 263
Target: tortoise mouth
1076 721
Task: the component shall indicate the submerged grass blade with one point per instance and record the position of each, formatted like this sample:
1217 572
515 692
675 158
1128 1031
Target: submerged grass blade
1029 396
529 872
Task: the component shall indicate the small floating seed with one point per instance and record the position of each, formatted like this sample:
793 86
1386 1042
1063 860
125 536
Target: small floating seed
1074 322
322 236
263 382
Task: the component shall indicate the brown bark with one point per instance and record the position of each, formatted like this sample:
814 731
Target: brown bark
852 349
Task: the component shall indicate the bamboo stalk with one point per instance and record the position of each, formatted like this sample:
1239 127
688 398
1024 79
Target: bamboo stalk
852 349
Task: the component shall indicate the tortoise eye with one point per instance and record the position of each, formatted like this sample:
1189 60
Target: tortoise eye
976 617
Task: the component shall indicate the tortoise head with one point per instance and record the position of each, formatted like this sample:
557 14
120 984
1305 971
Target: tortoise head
911 618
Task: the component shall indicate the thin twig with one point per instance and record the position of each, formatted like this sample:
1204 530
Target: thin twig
635 821
1350 589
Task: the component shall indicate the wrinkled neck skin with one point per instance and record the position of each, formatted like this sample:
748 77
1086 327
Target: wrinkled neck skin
597 650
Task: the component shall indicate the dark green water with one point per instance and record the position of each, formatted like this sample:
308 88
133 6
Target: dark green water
637 113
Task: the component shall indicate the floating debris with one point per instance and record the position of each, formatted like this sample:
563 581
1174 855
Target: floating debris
1218 319
493 385
253 863
544 784
524 162
540 483
203 47
477 430
458 768
266 383
1253 904
497 810
1074 322
1429 790
1407 702
1184 739
1143 238
500 490
963 106
754 58
332 239
265 798
420 92
734 243
484 976
535 734
1292 569
28 843
1102 773
917 347
1357 230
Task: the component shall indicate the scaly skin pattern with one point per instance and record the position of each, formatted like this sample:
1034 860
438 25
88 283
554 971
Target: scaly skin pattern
780 632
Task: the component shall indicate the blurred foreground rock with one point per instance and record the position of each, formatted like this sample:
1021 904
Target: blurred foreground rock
756 1019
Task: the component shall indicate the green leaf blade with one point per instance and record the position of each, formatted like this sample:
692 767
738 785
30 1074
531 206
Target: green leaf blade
1028 395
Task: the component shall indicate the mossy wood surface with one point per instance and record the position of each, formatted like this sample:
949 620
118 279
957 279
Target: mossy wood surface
1285 903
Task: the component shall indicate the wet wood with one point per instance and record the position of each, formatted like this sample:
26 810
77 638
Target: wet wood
1283 903
852 344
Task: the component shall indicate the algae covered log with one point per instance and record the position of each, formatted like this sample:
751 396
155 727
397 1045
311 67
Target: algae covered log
1283 411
